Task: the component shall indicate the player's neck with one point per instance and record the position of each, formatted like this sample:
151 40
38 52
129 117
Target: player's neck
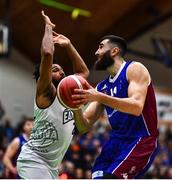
26 136
113 70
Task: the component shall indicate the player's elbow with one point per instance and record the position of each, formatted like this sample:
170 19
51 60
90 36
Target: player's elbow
85 74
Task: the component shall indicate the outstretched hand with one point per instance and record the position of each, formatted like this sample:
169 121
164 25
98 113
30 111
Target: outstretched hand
60 39
82 96
47 20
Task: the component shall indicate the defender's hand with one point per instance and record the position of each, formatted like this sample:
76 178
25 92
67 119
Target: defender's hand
47 20
60 39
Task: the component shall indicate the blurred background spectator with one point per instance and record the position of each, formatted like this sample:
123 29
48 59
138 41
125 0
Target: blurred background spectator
2 111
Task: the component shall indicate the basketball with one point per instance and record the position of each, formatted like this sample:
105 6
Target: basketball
66 87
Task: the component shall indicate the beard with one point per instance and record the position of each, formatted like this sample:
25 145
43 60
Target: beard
105 62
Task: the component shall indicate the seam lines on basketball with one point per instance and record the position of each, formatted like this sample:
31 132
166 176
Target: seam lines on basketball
77 81
58 91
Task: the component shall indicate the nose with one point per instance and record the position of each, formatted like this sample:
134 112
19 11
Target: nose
62 73
97 53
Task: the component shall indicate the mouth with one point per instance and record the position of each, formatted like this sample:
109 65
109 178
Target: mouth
62 76
99 58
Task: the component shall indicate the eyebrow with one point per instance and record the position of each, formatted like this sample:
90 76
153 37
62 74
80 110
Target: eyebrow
101 44
55 67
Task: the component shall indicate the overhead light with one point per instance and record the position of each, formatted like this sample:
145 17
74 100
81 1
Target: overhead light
75 12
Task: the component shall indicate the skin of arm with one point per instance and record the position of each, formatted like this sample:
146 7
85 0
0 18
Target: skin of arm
85 120
44 84
79 66
9 154
138 77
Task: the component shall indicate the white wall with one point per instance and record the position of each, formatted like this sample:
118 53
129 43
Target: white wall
17 86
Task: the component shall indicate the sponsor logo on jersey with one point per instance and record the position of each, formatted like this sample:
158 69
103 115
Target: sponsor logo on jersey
104 87
43 135
67 116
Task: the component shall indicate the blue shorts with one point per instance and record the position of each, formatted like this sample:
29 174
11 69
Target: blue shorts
125 158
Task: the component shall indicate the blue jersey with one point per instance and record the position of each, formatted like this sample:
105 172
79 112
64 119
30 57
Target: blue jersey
124 124
22 141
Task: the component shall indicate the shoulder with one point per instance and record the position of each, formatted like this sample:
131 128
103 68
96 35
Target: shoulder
16 140
138 71
15 143
137 66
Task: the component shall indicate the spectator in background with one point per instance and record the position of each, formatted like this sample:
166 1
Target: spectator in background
14 148
8 130
79 173
1 164
2 111
67 169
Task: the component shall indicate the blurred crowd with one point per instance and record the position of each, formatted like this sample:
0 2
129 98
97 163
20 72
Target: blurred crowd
84 149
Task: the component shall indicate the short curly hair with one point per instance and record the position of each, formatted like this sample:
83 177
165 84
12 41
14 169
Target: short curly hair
36 72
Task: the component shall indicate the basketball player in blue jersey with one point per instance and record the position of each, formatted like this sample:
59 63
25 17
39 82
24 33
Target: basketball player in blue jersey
127 96
54 124
14 148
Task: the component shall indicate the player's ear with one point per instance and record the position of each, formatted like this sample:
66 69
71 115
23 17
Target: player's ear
115 51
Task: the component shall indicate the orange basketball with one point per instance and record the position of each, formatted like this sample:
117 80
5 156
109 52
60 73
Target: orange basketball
66 87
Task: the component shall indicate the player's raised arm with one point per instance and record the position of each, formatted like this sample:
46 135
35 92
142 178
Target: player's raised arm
78 63
47 50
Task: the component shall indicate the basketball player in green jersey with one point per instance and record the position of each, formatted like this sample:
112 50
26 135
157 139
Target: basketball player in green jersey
54 124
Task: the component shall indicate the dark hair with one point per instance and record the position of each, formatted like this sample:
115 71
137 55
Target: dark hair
119 41
24 121
20 125
36 72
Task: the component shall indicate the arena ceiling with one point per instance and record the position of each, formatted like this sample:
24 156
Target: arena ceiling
127 18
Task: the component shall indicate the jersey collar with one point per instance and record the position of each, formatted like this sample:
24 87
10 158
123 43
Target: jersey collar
113 79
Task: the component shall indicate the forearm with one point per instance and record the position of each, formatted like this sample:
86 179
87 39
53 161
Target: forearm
81 123
47 46
47 50
79 65
8 164
126 105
